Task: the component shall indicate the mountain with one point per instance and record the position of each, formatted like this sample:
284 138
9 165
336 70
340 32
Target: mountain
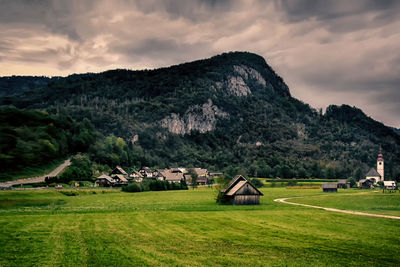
231 110
396 130
14 85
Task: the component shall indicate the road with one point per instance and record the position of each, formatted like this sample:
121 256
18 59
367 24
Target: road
284 200
38 179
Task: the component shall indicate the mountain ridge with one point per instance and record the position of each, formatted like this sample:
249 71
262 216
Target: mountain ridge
229 110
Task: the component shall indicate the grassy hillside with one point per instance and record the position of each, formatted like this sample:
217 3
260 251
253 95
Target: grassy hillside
32 142
112 228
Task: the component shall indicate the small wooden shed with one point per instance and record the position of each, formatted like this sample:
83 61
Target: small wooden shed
241 192
343 183
329 187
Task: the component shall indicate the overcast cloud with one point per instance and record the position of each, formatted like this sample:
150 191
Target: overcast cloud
327 51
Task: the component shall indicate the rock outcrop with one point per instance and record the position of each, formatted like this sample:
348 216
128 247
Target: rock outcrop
236 84
202 118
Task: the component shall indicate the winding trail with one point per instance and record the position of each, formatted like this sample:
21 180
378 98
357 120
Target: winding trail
38 179
284 200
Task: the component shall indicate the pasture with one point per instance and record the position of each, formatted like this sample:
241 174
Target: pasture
181 228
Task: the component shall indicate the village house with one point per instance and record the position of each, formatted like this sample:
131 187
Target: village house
104 180
146 172
136 176
329 187
119 170
170 175
214 174
120 179
241 192
120 176
202 176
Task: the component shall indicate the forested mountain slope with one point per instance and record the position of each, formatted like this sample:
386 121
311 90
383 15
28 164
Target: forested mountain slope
231 110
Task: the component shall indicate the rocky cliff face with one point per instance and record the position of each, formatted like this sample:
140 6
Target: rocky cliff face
237 83
202 118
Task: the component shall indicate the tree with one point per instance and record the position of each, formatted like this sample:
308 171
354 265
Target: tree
194 176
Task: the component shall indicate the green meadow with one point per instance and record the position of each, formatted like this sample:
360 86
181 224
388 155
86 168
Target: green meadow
181 228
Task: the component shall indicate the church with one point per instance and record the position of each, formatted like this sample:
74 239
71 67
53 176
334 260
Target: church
374 176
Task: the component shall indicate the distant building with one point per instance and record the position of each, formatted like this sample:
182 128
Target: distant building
146 172
136 176
377 175
119 170
343 183
329 187
366 184
241 192
104 180
390 185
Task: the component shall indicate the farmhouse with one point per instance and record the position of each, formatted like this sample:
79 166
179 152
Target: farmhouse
170 175
136 176
146 172
120 179
119 170
241 192
104 180
330 187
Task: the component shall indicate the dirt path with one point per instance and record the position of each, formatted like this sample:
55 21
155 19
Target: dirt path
283 200
38 179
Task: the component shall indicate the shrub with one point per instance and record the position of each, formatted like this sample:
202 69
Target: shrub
69 193
133 187
292 182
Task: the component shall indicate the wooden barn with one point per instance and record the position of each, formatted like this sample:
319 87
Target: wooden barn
241 192
343 183
330 187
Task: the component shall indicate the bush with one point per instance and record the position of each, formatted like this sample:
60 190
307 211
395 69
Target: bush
152 185
69 193
292 182
257 183
133 187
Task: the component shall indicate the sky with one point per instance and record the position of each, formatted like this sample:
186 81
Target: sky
327 51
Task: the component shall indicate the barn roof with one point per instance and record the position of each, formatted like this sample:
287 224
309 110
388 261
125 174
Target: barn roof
372 173
342 181
329 185
105 176
121 177
136 173
146 169
237 183
120 170
201 172
235 180
171 176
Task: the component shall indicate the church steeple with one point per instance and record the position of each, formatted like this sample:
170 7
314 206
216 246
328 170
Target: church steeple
380 164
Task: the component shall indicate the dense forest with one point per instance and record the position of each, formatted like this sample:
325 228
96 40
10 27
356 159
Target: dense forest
229 111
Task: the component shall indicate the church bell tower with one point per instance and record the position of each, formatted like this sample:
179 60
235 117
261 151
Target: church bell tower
379 164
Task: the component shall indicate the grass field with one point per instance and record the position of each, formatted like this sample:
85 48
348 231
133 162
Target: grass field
180 228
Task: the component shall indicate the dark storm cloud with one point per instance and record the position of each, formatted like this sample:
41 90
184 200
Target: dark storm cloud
297 10
328 51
